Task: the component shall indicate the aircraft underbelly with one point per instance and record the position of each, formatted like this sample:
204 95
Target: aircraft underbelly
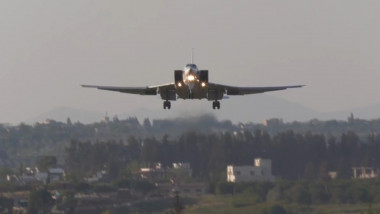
196 92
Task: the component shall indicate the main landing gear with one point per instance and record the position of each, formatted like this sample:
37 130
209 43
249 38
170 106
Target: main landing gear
216 104
167 104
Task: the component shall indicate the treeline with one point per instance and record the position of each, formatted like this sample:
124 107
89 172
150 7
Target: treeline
24 143
294 156
51 133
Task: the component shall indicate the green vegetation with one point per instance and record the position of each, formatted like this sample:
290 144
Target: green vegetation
294 156
242 204
302 156
6 204
306 192
40 201
26 143
46 162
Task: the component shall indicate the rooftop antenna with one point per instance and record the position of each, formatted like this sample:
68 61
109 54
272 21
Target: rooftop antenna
192 55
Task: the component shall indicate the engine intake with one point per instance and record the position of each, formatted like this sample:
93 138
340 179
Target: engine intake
178 76
203 76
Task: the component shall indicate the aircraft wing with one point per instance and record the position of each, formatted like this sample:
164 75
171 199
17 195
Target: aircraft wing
233 90
149 90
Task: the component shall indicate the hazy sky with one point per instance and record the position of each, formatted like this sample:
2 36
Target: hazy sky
48 48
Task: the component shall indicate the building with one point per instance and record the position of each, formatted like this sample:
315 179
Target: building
96 177
184 167
42 177
56 174
273 122
333 174
150 173
181 165
365 172
261 171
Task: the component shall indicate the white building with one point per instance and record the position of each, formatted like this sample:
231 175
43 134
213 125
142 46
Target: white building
181 165
365 172
261 171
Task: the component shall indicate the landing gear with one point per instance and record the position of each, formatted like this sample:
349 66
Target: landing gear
167 104
216 104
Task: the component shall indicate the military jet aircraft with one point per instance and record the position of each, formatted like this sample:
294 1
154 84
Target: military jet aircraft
191 83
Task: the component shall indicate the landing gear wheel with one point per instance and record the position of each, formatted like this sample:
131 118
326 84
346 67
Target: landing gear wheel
216 104
167 104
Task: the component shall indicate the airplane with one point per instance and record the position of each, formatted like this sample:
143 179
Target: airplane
192 83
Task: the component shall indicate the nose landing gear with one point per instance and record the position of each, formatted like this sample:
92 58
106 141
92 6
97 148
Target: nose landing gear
216 104
167 104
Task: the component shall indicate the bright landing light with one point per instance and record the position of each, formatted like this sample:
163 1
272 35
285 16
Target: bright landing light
179 84
203 84
190 78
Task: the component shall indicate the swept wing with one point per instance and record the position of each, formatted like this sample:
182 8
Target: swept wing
233 90
149 90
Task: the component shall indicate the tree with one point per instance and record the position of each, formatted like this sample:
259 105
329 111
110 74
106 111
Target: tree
68 121
46 162
344 169
177 207
68 202
4 172
224 188
142 186
276 209
39 201
147 124
299 193
150 151
6 205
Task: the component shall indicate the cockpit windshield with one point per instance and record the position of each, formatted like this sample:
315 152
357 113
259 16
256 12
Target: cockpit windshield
192 66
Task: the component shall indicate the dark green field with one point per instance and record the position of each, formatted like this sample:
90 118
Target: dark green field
242 204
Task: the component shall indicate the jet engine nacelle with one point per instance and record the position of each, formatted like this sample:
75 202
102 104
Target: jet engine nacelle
168 94
178 76
203 76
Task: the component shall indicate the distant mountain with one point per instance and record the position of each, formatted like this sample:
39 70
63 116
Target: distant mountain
237 109
366 112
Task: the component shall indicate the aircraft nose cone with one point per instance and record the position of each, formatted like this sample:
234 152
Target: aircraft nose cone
189 72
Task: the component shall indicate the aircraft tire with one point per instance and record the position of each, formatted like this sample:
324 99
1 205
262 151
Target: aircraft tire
216 105
167 105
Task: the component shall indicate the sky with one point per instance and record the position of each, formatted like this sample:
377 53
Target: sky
49 48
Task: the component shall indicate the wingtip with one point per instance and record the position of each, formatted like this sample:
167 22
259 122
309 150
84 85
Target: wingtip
299 86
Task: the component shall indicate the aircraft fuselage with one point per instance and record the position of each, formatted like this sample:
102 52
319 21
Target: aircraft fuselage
192 86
